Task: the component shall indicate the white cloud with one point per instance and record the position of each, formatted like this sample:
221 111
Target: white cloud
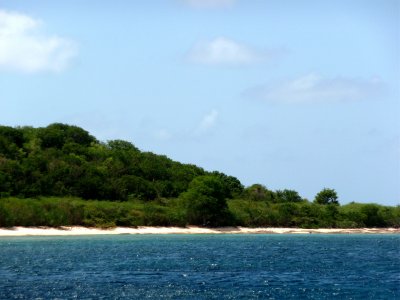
209 3
208 122
224 51
314 88
186 132
23 47
162 134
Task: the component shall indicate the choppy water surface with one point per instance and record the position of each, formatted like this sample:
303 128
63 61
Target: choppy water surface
201 267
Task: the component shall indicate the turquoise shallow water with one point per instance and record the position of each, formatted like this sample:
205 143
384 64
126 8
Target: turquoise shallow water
201 267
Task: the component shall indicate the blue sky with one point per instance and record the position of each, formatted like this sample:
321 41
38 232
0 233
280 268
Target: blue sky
290 94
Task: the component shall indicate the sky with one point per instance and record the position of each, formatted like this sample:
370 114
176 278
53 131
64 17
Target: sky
300 95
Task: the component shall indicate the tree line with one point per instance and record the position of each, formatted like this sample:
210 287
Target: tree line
56 175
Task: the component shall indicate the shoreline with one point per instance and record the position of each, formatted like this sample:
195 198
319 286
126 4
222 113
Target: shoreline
78 230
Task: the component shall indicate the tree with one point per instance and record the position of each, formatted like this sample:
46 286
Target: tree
56 135
287 213
11 140
205 201
13 135
326 196
120 145
258 192
233 186
373 218
288 196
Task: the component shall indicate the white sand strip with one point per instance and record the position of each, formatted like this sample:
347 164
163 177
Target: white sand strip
77 230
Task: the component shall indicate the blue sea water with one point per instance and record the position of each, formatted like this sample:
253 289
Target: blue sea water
201 267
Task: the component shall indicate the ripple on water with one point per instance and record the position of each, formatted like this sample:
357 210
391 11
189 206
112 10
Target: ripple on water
201 267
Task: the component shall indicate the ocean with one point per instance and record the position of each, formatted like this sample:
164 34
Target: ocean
258 266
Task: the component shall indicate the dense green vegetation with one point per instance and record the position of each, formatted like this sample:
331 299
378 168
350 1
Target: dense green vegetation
61 175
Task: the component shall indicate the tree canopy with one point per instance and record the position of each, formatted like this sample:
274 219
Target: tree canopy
65 160
326 196
205 201
55 175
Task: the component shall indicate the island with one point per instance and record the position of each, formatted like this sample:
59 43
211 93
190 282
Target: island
60 176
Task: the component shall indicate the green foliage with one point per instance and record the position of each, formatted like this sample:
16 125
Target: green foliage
122 146
310 215
104 214
53 211
205 201
287 214
65 160
46 172
373 217
390 216
11 141
370 215
40 212
6 218
252 213
287 196
258 192
57 135
231 184
326 196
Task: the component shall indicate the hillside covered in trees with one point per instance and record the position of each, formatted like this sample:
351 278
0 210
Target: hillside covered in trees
61 175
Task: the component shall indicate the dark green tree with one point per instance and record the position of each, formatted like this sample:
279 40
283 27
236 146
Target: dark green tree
373 218
288 196
120 145
258 192
232 185
11 141
57 134
205 201
326 196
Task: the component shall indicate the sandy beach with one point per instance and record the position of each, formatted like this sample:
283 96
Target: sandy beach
76 230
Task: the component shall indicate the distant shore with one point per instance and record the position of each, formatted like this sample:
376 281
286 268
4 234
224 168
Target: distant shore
77 230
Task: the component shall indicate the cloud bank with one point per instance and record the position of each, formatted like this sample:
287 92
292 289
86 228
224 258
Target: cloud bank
203 127
23 47
209 3
162 134
314 88
224 51
209 121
